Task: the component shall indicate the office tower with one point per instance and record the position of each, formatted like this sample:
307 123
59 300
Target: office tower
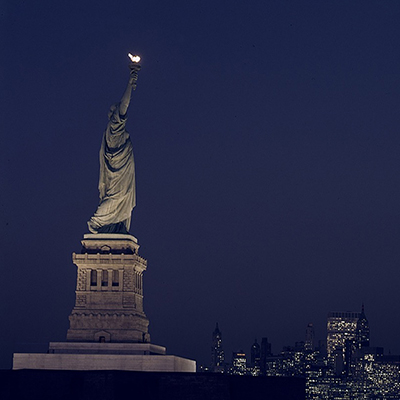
255 353
239 363
255 358
341 326
341 336
309 343
217 352
265 353
362 331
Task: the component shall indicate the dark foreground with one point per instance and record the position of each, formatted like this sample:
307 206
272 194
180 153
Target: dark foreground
115 385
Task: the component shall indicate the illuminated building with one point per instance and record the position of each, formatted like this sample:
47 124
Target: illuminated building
362 331
319 382
255 358
217 352
377 375
239 363
341 329
265 353
293 360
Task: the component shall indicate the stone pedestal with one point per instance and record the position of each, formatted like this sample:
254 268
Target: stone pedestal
108 327
109 291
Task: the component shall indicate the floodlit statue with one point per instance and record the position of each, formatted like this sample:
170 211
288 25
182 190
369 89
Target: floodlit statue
117 168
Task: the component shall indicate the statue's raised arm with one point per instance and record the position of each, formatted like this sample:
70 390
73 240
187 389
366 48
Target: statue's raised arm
117 170
126 98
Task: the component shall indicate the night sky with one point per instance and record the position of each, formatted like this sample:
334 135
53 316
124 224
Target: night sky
266 140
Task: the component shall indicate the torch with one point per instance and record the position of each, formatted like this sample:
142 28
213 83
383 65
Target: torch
134 66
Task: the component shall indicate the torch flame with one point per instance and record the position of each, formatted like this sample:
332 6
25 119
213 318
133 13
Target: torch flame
134 59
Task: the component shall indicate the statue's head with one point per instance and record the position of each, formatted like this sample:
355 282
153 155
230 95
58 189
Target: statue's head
113 108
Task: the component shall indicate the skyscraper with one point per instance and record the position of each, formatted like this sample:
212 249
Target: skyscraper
341 327
255 358
239 363
346 331
309 343
265 353
362 331
255 353
217 352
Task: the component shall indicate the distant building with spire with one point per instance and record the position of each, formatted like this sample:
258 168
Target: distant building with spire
362 330
217 352
255 359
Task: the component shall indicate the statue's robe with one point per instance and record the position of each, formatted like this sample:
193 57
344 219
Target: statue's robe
117 179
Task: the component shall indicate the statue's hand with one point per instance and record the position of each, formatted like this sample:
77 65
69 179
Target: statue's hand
133 77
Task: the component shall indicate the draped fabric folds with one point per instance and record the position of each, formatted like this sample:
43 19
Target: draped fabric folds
117 178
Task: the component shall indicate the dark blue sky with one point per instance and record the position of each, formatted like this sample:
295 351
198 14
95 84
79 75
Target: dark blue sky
266 139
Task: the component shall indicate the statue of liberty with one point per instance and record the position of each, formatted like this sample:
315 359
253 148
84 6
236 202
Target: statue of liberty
117 169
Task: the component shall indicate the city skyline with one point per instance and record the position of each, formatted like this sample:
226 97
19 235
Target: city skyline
266 142
345 365
322 339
